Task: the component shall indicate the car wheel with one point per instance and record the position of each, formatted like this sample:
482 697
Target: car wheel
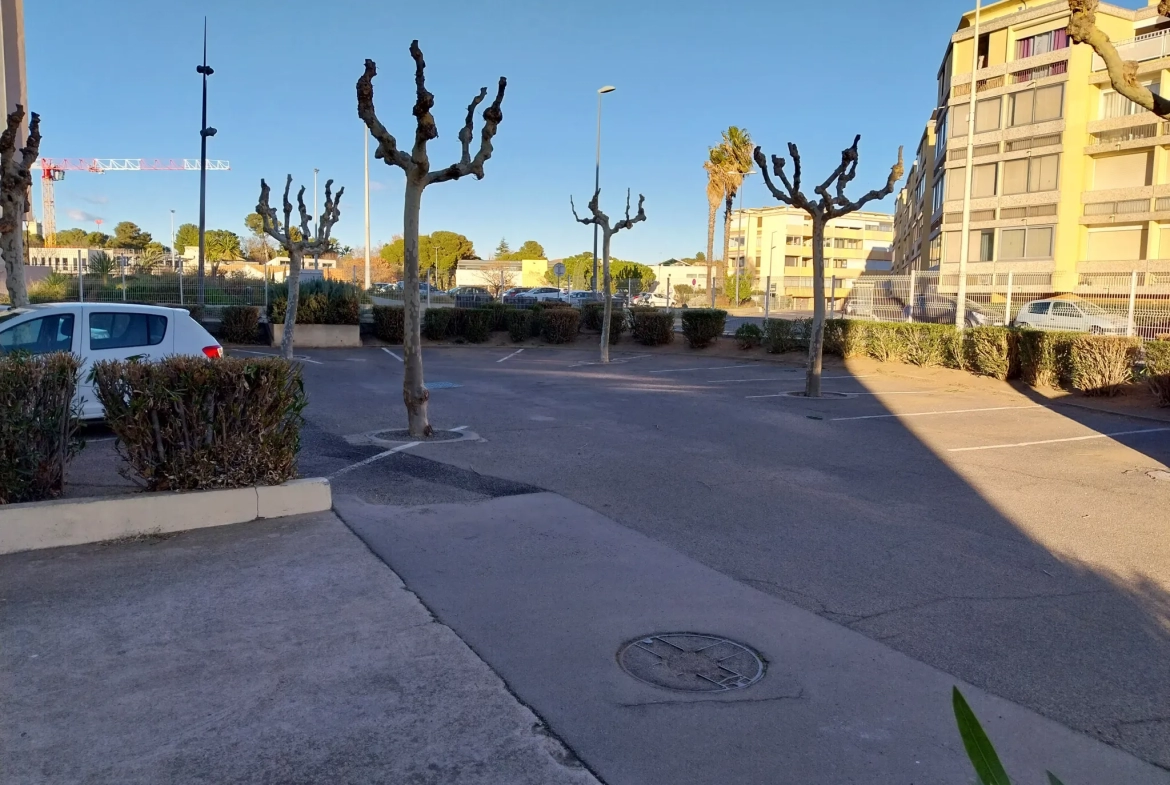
1095 330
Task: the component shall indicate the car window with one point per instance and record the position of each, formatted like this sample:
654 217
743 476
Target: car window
52 333
1039 307
125 330
1064 309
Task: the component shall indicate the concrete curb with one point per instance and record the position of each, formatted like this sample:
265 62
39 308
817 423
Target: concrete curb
51 524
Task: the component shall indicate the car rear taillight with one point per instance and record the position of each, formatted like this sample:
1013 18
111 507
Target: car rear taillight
213 351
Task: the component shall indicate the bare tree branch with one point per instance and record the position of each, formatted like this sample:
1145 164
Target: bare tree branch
491 121
387 145
304 213
425 129
628 223
16 172
878 193
1082 28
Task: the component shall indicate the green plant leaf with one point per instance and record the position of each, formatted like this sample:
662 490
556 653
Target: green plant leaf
979 749
1053 779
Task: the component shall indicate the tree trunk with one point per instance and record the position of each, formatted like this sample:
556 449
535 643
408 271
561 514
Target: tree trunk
712 210
12 246
816 338
293 282
727 234
607 309
414 393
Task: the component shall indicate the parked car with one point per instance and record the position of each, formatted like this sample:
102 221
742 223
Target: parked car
873 302
470 296
104 331
940 309
1070 312
385 288
539 294
579 297
654 299
509 296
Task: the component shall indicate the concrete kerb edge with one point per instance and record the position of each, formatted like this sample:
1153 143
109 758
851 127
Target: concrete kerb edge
60 522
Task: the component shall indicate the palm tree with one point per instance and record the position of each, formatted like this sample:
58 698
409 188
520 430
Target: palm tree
150 260
736 151
101 263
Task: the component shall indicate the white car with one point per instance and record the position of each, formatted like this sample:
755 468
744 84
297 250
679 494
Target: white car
579 297
655 299
540 294
1071 313
103 331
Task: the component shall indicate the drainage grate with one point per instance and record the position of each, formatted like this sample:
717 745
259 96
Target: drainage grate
691 662
441 385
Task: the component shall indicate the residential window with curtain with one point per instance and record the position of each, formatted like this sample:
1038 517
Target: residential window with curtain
987 113
1031 242
1029 175
1036 106
1042 43
1114 104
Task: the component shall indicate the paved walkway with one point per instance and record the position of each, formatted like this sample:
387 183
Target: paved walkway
271 652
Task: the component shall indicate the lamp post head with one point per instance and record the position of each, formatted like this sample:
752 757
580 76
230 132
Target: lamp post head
607 89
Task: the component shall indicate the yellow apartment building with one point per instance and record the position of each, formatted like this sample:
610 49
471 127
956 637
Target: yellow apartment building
774 245
1069 179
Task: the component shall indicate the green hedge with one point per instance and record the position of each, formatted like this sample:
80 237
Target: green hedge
1158 370
991 351
321 302
847 337
560 325
389 323
652 326
519 324
592 315
186 423
785 335
499 315
437 323
38 424
1102 364
239 324
475 324
1044 358
617 324
748 336
701 326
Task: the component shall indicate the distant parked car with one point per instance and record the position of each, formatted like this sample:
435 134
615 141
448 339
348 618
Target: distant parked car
104 331
1071 313
939 309
653 299
509 296
539 294
579 297
470 296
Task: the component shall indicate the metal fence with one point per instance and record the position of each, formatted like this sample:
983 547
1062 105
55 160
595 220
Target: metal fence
160 288
1134 304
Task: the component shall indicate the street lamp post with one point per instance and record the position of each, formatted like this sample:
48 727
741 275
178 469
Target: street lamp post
366 136
177 266
768 282
742 236
597 175
204 132
965 233
316 256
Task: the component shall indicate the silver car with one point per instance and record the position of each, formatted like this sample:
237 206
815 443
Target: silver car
1071 313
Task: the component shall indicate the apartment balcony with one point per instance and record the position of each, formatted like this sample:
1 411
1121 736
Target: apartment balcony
1133 210
1014 72
1149 46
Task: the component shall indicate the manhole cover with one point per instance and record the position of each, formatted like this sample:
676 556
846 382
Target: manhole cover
829 396
403 435
691 662
441 385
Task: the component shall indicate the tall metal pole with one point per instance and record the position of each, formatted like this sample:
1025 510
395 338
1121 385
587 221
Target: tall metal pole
366 136
204 132
969 172
597 175
768 285
316 229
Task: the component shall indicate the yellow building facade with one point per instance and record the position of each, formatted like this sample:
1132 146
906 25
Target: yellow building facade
773 245
1069 180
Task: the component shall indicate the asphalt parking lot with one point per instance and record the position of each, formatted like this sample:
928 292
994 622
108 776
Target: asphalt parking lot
1014 544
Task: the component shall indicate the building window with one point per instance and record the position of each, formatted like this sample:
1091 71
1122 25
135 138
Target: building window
983 180
840 264
1029 175
759 221
843 242
985 251
986 116
1042 43
1036 106
935 250
1032 242
937 193
792 261
885 227
793 240
1113 104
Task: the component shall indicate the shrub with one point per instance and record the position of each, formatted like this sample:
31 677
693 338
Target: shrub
476 324
1044 358
847 337
1102 364
652 326
748 336
560 325
38 424
1158 370
499 316
591 316
926 344
437 323
321 302
991 351
187 423
887 341
617 324
239 323
519 324
779 336
701 326
389 323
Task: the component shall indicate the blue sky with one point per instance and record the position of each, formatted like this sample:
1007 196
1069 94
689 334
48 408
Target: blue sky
116 78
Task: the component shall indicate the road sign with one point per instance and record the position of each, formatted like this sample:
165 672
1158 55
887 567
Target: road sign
559 269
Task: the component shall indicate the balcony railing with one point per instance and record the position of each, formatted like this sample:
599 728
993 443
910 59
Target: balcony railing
1040 72
1015 145
983 84
1149 46
1132 134
1127 206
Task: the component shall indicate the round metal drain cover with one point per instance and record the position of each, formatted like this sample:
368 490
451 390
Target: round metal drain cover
829 396
403 435
691 662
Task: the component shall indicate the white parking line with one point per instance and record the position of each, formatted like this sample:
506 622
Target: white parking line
924 414
897 392
1057 441
713 368
299 357
373 458
392 354
725 381
513 354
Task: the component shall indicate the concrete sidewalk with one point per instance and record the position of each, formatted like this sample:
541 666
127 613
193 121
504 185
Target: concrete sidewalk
269 652
547 591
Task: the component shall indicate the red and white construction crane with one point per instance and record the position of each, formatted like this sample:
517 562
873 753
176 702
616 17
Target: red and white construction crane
54 169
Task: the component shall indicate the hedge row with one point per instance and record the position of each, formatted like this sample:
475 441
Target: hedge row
38 423
1091 364
1157 370
321 302
551 321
